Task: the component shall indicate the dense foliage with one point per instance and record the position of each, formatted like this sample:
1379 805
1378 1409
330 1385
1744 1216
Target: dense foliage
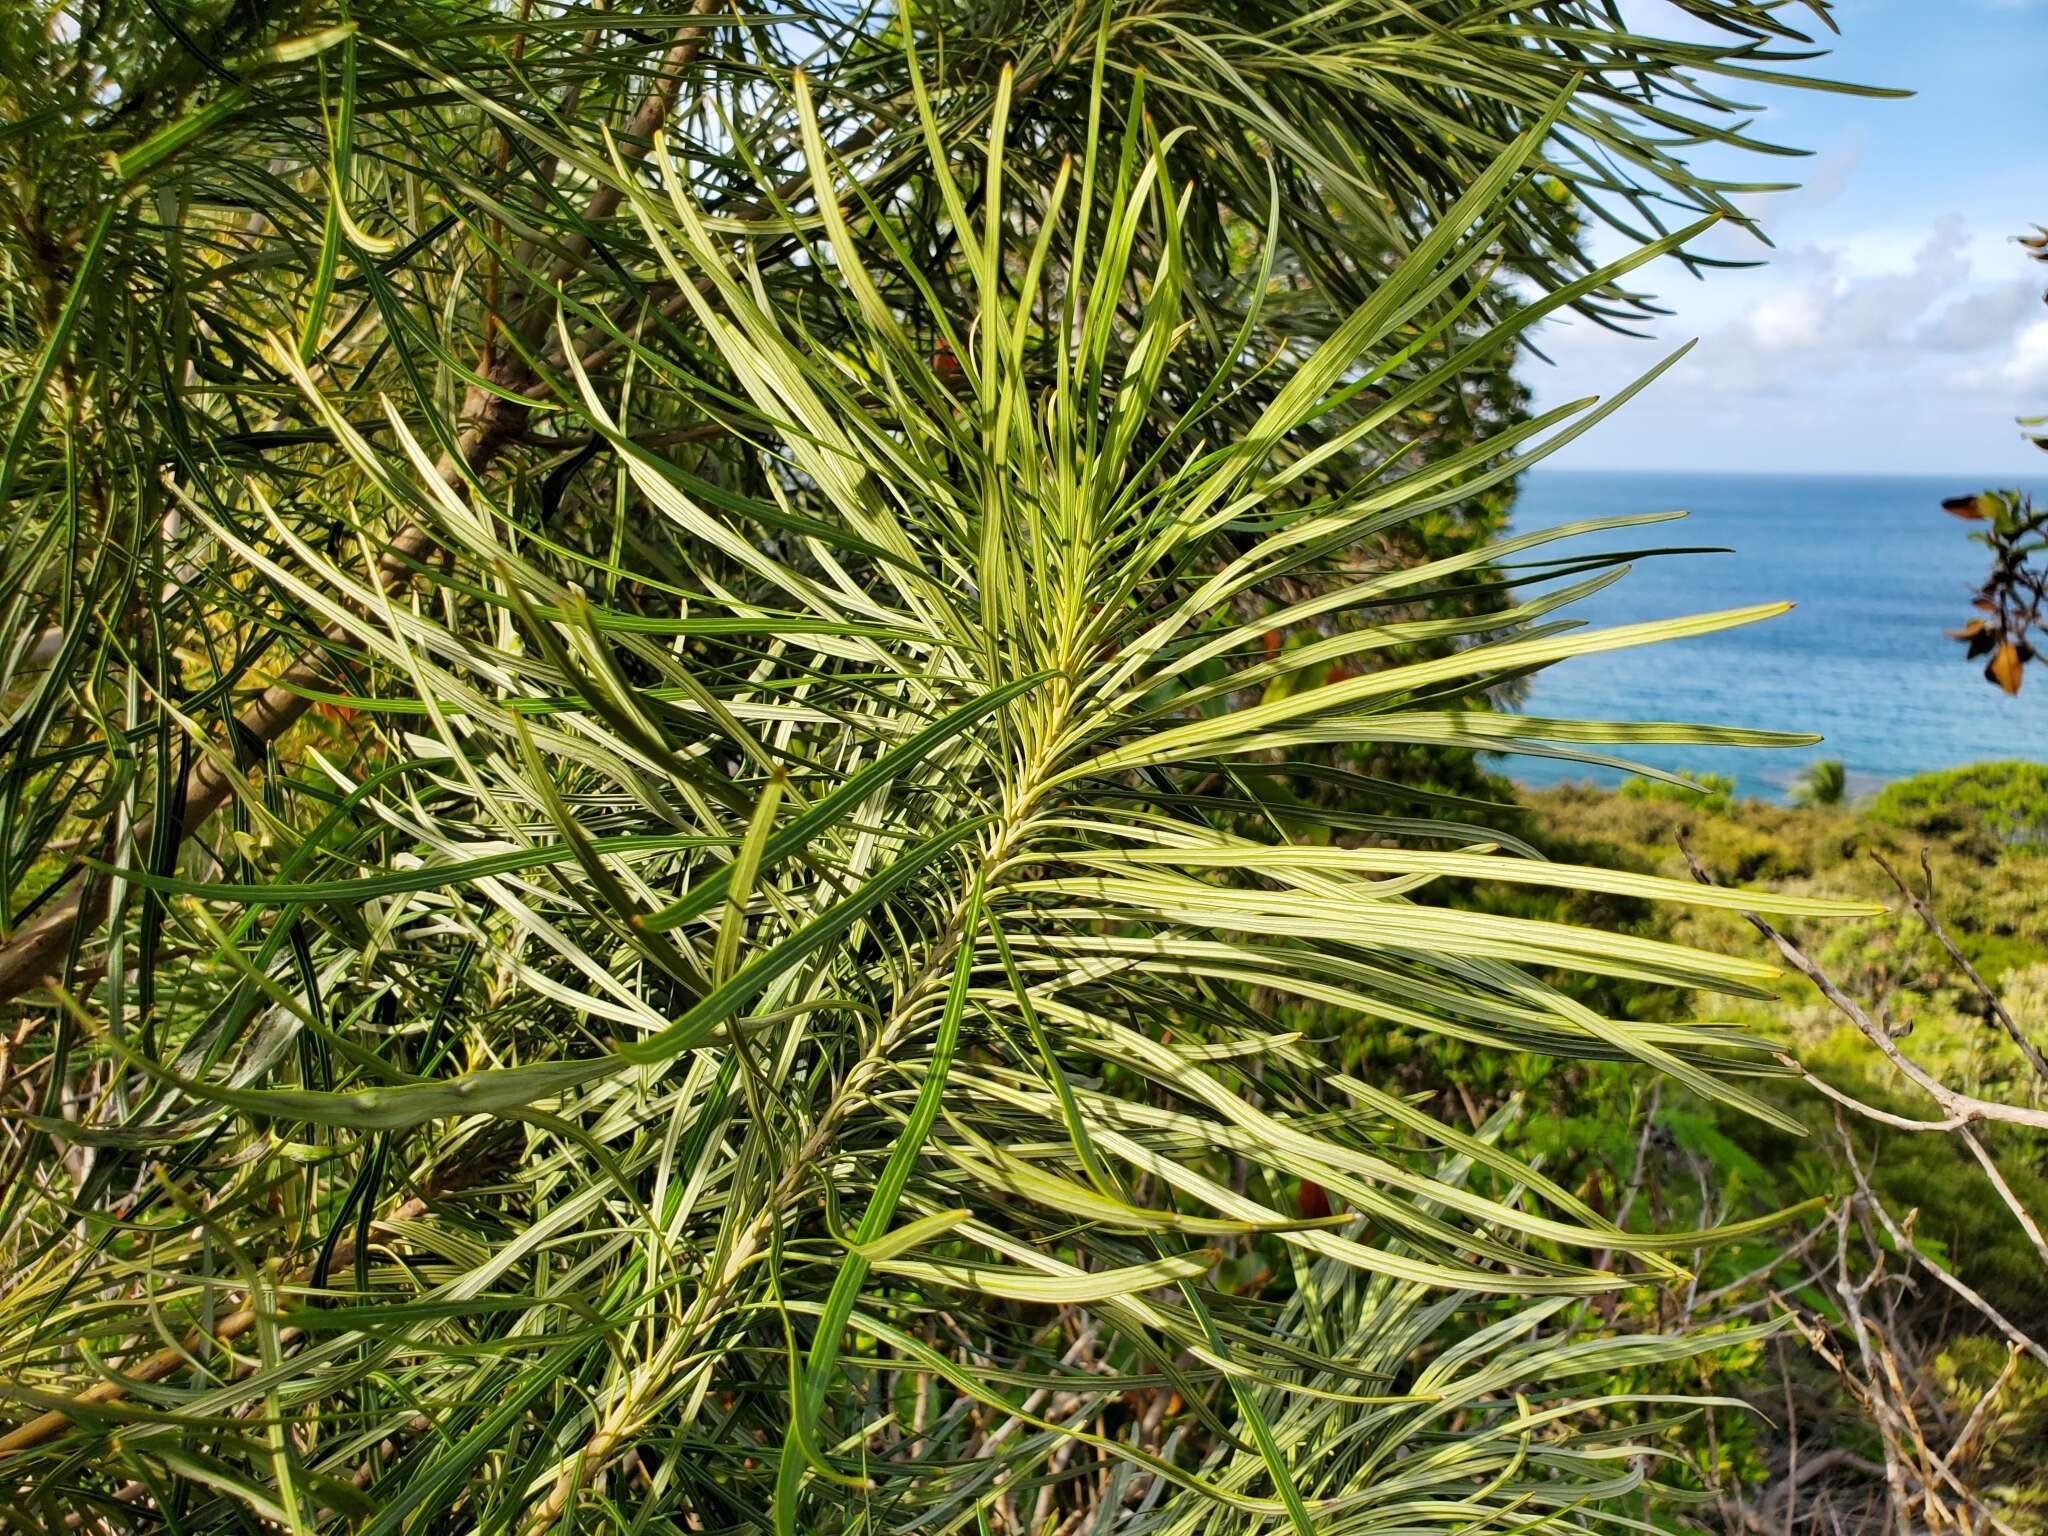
1986 807
689 692
1992 889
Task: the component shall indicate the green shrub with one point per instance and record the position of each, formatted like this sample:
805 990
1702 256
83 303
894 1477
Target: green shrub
1716 792
2004 803
1823 783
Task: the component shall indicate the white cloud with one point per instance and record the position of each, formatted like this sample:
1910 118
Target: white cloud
1980 319
1792 321
2023 369
1837 312
1877 309
2027 368
1875 303
1893 325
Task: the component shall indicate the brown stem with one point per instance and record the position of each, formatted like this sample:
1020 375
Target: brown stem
36 952
155 1367
614 1432
491 422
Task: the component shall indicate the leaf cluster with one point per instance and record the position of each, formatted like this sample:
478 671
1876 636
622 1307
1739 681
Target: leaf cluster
648 829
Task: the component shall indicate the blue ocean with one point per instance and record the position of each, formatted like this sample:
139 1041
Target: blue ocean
1878 573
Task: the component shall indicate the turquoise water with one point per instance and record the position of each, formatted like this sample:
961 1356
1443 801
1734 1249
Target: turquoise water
1878 573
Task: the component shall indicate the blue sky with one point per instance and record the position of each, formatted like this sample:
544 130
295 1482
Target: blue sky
1896 328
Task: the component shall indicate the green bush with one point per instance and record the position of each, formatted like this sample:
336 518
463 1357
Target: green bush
2004 803
1716 792
1823 783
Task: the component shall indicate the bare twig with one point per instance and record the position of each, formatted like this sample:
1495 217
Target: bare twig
1962 1107
2005 1192
1857 1107
1891 1383
1906 1246
1966 1438
1997 1008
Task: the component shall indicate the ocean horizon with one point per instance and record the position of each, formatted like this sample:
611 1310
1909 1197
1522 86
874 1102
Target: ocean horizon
1878 574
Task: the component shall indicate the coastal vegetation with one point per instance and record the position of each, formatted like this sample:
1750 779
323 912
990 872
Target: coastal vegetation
1972 843
748 784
